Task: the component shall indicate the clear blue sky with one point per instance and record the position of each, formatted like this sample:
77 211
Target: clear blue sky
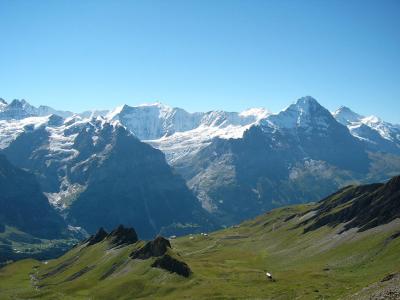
202 55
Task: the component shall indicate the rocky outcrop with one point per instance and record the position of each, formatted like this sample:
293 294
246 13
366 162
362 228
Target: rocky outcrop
100 235
172 265
155 248
122 236
158 248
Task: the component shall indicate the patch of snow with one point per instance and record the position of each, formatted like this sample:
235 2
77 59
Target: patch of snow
60 200
11 129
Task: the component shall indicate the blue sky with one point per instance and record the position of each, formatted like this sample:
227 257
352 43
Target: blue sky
202 55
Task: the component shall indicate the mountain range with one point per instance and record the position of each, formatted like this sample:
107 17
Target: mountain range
165 170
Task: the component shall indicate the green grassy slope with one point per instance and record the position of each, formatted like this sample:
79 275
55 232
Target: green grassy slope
227 264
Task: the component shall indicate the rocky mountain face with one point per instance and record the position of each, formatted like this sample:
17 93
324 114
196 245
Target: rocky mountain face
298 155
237 165
96 173
24 206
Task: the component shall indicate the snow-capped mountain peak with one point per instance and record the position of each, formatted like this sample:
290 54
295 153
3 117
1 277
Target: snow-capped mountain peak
370 129
151 121
305 112
345 115
20 109
258 113
114 112
306 103
156 104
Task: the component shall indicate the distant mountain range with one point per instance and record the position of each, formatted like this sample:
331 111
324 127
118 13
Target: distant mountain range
215 168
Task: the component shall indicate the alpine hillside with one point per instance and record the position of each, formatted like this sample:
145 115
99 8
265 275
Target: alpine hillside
344 247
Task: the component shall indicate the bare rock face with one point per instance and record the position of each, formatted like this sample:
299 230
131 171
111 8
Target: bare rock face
155 248
123 236
100 235
172 265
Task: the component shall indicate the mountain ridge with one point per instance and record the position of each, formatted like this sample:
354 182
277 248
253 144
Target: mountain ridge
172 117
236 164
98 173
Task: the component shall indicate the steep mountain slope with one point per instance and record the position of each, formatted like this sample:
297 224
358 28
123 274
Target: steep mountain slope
132 184
98 174
23 205
298 155
27 221
363 207
332 261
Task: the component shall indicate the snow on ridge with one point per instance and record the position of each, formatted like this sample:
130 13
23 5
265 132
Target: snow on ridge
174 129
184 144
257 112
345 115
299 114
187 143
60 138
202 129
354 121
114 112
11 129
154 121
